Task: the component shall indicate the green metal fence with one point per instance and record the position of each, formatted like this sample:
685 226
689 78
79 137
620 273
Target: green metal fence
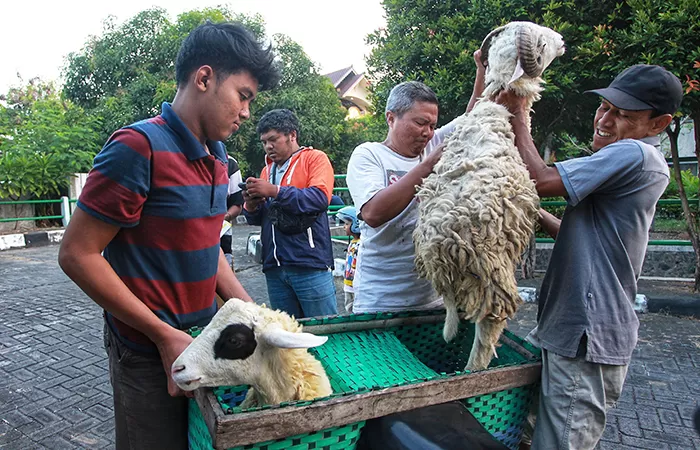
31 202
551 203
66 211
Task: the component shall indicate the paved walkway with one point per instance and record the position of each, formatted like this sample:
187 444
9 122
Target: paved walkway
55 393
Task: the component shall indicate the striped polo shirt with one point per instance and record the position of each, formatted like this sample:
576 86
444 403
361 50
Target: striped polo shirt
156 181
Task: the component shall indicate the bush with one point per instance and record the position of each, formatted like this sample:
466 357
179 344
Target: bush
691 184
43 140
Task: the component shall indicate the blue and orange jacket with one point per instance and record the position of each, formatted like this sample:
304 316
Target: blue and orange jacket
306 187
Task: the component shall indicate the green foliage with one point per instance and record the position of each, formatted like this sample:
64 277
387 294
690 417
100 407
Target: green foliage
691 183
666 33
43 139
433 42
125 75
368 128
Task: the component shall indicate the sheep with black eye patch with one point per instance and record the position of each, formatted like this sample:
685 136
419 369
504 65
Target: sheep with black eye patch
246 343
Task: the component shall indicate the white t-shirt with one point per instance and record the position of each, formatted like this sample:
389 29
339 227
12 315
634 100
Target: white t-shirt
385 276
234 177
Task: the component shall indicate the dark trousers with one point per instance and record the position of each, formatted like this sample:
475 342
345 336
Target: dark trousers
145 416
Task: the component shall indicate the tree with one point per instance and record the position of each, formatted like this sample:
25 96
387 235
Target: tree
304 91
43 140
433 42
125 74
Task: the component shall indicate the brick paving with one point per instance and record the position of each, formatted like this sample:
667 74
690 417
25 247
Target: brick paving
55 392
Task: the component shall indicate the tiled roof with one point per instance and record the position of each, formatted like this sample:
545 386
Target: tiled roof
339 75
348 83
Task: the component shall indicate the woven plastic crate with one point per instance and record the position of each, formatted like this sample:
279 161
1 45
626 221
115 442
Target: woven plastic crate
379 358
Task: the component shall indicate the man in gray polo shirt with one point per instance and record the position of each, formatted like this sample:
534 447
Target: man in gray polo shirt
587 326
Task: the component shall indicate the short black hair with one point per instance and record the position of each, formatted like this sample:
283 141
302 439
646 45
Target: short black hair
229 48
282 120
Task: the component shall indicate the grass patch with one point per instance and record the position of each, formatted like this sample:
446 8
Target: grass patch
669 225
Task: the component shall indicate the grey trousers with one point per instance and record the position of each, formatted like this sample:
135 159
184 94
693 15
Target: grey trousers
145 415
574 397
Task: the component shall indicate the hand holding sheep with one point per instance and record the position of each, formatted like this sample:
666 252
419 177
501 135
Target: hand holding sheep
434 156
170 347
514 103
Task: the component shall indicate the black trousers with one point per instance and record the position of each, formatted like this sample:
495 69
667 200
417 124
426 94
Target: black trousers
145 415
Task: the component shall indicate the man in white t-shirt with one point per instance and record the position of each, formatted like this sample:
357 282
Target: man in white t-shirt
382 178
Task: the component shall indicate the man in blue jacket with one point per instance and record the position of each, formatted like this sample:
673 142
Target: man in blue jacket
290 201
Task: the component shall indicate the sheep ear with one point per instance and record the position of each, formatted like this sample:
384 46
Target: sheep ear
519 72
285 339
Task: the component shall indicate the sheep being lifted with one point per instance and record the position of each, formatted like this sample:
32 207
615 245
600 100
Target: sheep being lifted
250 344
477 210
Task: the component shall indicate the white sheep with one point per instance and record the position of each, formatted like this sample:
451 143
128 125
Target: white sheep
477 210
246 343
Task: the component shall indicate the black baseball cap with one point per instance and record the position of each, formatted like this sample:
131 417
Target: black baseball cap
643 87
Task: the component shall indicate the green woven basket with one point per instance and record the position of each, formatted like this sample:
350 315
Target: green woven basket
386 357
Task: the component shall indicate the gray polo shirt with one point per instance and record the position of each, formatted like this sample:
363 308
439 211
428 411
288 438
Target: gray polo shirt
591 281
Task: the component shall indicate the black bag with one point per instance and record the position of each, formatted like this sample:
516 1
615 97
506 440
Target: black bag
439 427
289 223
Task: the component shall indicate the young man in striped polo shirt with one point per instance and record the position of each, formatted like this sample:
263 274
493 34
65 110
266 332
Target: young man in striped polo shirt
154 203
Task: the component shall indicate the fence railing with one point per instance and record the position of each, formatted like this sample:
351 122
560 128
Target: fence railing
555 203
332 210
65 210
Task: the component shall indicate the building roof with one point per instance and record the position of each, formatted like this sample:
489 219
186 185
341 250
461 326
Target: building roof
348 83
344 79
339 75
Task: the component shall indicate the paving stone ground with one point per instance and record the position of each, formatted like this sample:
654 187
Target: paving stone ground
55 392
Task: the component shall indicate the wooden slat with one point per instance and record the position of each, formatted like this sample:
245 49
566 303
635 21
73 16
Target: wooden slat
517 347
247 428
211 411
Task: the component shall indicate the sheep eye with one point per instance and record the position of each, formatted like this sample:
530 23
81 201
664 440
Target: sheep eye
235 342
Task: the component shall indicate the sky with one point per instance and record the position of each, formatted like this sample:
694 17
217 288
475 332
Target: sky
36 37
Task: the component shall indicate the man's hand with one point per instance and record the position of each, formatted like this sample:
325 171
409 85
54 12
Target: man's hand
257 187
514 103
254 200
252 203
479 82
170 347
434 156
480 66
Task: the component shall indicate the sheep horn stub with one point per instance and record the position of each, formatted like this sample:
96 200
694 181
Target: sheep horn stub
486 44
530 48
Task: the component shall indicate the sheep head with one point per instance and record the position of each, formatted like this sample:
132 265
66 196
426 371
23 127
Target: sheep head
519 52
239 344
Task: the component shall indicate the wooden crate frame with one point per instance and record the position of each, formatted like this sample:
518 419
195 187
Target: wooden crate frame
231 430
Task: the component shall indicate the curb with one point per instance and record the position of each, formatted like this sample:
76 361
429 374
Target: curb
31 239
677 306
680 305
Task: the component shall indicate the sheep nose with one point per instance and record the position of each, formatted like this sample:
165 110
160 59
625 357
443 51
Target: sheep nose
177 369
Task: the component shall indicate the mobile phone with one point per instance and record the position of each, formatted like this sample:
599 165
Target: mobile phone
243 186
